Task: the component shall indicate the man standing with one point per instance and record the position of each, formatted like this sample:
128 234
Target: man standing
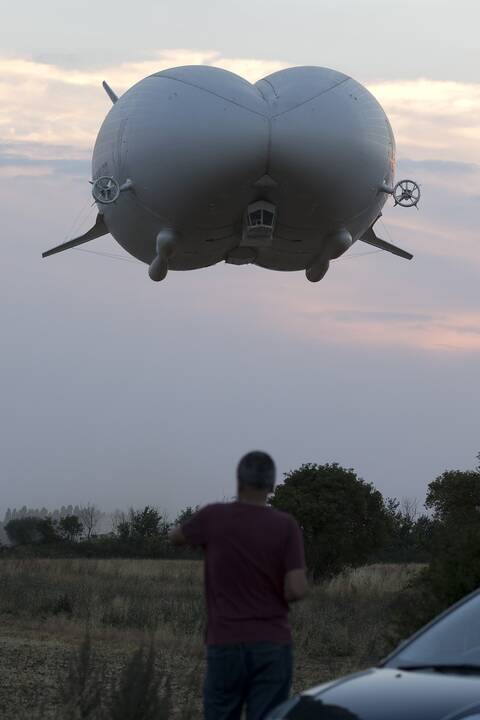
254 567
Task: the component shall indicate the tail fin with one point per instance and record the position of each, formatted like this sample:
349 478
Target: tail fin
96 231
371 239
112 95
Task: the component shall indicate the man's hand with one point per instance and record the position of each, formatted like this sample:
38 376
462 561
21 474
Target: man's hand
296 585
176 536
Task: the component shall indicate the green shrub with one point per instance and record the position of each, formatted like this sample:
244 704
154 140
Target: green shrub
343 518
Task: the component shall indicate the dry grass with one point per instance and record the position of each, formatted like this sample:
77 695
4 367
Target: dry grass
46 606
136 594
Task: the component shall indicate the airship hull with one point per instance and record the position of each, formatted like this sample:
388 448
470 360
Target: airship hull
200 145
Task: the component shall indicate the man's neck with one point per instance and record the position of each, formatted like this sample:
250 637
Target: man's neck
252 498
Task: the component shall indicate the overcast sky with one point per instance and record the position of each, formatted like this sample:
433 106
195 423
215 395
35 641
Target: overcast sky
119 391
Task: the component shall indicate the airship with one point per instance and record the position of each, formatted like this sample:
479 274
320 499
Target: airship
195 166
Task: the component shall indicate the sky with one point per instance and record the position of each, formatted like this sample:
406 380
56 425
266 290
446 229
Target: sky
119 391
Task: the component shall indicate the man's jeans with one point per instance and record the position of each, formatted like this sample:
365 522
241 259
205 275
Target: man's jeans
257 675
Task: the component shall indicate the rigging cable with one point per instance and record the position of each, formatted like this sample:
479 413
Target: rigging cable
78 219
111 256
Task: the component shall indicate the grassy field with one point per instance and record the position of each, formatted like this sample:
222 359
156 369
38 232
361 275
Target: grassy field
46 607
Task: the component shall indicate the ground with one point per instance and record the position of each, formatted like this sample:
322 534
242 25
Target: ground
47 606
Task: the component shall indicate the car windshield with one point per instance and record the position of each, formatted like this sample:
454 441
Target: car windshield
452 641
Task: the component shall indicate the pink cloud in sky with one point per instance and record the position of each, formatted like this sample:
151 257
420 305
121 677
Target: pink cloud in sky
48 104
433 118
367 326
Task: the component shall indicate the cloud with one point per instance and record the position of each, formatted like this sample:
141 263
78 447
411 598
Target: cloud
22 162
126 74
441 177
368 326
47 103
433 117
50 105
444 167
12 170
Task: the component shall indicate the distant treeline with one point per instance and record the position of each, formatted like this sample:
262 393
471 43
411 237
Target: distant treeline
346 522
93 519
75 531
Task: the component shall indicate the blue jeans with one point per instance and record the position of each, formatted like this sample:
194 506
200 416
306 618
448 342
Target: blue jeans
257 675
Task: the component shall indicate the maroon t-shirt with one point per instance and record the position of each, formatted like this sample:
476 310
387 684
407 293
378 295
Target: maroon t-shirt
248 550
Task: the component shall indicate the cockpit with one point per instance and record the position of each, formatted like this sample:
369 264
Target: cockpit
259 222
258 218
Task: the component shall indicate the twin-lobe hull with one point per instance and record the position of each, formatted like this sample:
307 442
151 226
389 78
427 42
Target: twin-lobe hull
201 144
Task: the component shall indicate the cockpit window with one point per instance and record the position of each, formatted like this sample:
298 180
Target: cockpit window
259 223
268 218
255 218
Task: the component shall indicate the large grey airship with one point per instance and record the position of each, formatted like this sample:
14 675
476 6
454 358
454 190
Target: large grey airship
194 165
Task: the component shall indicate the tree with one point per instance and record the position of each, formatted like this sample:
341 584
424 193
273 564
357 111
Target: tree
409 534
48 530
148 522
23 531
186 514
3 536
31 531
343 518
90 516
121 524
454 569
70 527
454 497
117 517
142 524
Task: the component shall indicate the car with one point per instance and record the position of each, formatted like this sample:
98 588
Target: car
434 675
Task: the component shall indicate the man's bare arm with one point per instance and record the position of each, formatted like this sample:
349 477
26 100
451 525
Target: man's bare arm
176 536
296 585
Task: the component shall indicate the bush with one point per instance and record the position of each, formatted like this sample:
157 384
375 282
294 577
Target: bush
70 527
31 531
409 535
454 569
141 524
343 518
453 572
139 693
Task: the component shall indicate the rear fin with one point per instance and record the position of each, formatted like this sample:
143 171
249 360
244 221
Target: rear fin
96 231
112 95
371 239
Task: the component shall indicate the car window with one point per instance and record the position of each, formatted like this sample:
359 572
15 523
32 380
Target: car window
453 639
